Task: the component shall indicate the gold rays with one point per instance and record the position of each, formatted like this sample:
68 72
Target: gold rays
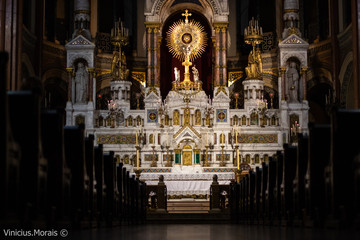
186 39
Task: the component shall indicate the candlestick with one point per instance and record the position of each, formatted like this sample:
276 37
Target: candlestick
236 134
153 138
136 138
137 159
167 139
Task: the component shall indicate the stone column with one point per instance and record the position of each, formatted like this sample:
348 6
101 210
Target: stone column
149 54
283 83
157 42
304 80
223 55
91 83
70 76
217 57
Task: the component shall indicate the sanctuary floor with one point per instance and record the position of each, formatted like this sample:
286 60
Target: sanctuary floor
211 232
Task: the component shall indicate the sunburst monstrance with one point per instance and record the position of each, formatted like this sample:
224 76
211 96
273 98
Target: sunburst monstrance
186 40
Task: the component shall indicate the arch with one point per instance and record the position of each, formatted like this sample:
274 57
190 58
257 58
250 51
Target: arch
27 63
159 10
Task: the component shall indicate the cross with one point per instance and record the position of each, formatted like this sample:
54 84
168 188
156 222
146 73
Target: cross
186 14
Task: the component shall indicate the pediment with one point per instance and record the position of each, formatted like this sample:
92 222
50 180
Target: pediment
187 132
79 41
292 41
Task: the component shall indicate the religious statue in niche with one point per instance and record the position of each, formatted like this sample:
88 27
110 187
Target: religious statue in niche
187 116
254 68
176 118
292 76
195 73
197 117
81 83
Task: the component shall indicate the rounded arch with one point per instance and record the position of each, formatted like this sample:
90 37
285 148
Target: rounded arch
27 67
159 10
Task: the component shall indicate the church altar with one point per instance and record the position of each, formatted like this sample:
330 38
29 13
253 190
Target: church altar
186 133
187 181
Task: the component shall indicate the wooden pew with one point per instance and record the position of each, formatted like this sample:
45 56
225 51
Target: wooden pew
264 178
9 158
59 175
318 158
33 166
235 201
251 198
100 185
258 204
90 170
339 174
270 191
287 184
299 182
277 188
120 189
80 185
111 192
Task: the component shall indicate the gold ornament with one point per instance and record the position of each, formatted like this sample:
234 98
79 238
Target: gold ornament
186 41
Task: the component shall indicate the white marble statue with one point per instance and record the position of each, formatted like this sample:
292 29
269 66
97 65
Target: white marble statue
195 73
177 74
293 82
81 82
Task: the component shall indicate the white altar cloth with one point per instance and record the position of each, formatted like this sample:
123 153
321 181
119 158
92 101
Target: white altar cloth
187 183
187 187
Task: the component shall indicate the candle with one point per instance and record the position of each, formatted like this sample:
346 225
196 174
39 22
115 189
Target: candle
137 159
207 139
153 138
238 158
167 139
136 138
236 133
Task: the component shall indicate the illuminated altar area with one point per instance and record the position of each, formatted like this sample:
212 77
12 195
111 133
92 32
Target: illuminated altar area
189 133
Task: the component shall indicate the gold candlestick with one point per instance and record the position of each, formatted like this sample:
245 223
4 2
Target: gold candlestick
222 162
153 163
168 162
206 163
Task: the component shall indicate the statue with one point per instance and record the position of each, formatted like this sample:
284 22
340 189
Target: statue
81 82
176 120
177 74
196 74
292 76
124 72
187 116
197 117
254 68
118 66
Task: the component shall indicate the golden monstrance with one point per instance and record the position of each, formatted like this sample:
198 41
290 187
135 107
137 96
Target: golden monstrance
186 41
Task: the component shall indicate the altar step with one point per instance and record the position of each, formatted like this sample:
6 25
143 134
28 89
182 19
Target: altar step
186 218
188 206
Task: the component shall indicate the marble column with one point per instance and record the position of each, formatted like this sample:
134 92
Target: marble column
304 80
149 54
91 83
70 72
283 83
223 55
217 57
157 42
